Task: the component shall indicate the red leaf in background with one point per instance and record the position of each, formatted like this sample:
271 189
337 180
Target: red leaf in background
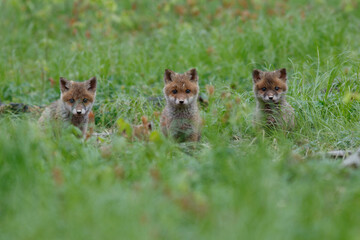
72 21
134 6
195 12
119 172
191 3
155 174
228 4
244 4
52 82
57 176
303 14
88 34
210 89
180 10
210 50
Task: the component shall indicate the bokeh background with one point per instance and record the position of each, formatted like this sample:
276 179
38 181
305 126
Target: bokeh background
238 182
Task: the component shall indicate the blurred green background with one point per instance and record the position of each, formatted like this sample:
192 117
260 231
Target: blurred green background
238 183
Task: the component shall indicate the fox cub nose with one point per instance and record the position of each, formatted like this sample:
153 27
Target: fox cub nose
271 97
181 102
78 112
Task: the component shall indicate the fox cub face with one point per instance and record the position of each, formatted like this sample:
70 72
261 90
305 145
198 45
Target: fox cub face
78 97
181 89
270 87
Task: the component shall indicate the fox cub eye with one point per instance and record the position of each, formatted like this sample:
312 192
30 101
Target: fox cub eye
174 91
264 89
85 100
187 91
277 88
72 100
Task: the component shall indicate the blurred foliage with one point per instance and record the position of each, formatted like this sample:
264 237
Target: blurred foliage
237 182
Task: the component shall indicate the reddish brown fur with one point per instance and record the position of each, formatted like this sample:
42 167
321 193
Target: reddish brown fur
74 105
270 92
78 91
270 80
91 125
143 130
271 83
181 83
180 118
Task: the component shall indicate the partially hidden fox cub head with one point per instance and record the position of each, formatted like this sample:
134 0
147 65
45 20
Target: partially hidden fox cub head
143 130
78 97
181 89
270 87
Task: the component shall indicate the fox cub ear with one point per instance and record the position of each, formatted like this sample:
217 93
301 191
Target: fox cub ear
91 84
146 123
193 74
282 74
256 75
168 75
64 84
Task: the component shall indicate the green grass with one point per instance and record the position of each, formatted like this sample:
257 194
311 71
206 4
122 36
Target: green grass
237 183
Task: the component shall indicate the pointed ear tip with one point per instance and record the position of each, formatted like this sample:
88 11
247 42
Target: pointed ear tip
193 72
283 71
255 72
63 80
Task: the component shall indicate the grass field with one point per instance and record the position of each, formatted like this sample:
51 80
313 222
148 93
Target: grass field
237 183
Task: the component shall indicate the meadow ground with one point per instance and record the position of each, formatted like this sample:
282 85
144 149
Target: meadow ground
237 183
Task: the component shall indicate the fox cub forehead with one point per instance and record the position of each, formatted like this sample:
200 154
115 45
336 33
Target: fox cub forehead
189 76
276 78
78 90
181 81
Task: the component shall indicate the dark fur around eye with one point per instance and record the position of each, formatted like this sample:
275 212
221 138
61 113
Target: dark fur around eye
264 89
174 91
72 100
277 88
188 91
85 100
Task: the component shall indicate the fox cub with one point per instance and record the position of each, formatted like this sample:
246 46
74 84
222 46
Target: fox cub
141 131
180 118
74 105
272 109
